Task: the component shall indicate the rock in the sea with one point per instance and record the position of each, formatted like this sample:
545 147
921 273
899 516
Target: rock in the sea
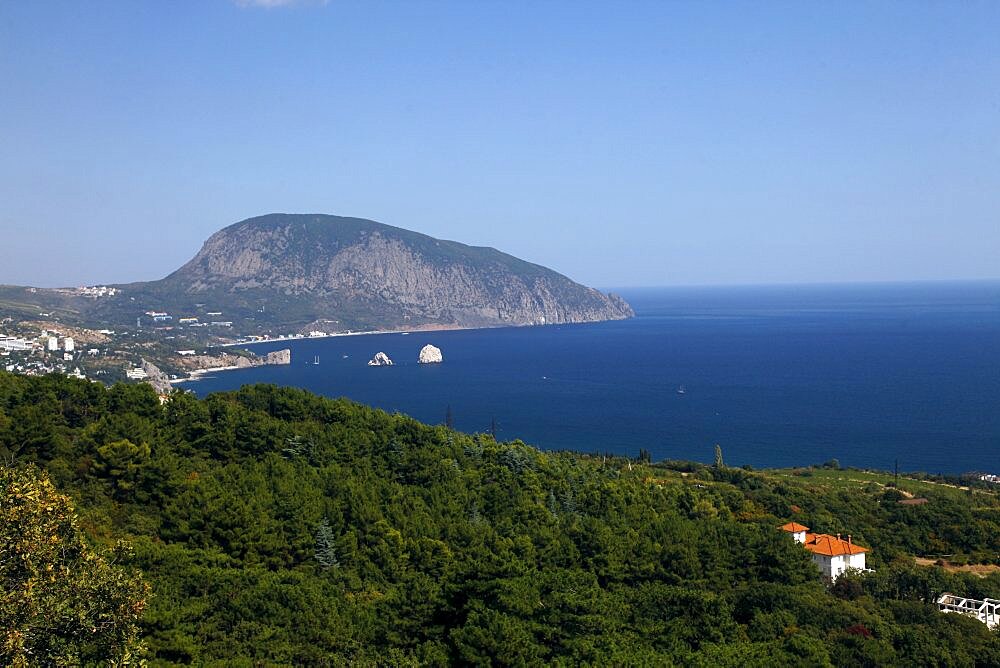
283 356
430 355
380 359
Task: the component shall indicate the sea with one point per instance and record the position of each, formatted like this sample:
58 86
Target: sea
870 375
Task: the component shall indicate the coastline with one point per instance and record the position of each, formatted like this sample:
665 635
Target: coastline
300 337
198 374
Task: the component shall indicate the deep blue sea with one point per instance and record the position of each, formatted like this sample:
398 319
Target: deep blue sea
777 376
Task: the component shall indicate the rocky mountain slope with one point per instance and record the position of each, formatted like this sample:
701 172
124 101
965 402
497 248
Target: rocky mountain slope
306 270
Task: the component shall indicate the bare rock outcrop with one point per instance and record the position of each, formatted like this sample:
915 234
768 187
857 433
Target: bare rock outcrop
296 269
283 356
155 377
380 359
430 355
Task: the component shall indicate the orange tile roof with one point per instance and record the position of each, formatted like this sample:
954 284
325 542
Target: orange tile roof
831 546
793 527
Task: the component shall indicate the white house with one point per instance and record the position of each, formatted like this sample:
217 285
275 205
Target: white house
831 554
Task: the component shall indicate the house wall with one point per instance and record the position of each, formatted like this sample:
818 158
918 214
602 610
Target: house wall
824 564
833 567
856 561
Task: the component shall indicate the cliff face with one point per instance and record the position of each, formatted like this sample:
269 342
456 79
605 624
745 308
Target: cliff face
349 269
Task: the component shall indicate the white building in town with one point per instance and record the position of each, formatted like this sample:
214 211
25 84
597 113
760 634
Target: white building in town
831 554
53 344
11 343
68 344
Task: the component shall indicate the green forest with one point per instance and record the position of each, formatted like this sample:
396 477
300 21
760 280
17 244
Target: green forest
270 526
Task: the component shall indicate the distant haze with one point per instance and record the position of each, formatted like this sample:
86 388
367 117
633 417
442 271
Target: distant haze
649 143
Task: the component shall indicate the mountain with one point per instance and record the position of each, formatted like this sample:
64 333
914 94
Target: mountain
297 270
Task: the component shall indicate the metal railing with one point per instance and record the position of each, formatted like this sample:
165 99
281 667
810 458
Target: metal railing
987 610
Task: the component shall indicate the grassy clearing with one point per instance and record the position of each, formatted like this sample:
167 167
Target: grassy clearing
853 479
981 570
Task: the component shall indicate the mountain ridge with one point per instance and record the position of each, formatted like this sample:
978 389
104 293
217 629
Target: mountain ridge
316 267
299 273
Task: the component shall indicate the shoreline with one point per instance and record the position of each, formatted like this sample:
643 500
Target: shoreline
301 337
197 374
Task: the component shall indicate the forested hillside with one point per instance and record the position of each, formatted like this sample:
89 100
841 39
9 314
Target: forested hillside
277 527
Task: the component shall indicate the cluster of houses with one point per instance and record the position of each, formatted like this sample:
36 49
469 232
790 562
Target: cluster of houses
96 291
92 291
160 317
49 352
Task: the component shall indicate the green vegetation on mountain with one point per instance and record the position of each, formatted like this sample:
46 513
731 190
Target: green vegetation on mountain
277 527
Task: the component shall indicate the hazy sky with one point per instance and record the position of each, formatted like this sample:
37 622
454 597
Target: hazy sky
622 143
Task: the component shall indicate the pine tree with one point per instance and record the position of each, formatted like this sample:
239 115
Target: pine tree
553 506
326 550
395 458
718 457
568 501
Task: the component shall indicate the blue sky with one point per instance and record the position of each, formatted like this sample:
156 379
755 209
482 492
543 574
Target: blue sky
631 143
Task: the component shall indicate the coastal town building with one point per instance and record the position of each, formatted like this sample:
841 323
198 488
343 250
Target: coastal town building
832 554
11 343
